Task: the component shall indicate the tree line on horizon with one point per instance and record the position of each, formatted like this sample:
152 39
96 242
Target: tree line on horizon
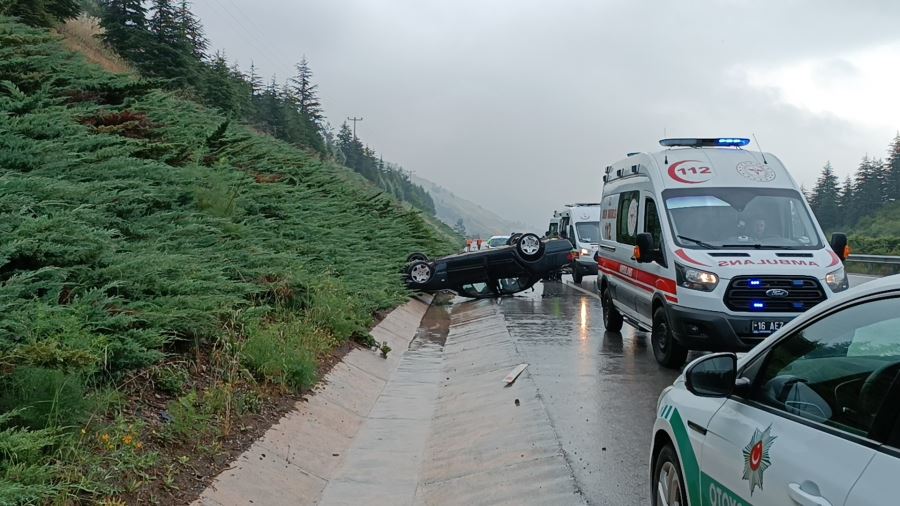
165 41
841 205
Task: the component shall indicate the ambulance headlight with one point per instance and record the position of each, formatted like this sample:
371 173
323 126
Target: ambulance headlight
837 280
695 279
584 252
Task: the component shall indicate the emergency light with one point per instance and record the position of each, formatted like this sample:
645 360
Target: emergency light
705 142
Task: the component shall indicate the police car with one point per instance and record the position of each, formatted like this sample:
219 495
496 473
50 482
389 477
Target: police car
809 417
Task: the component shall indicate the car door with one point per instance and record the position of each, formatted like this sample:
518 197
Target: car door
812 417
653 272
620 266
877 484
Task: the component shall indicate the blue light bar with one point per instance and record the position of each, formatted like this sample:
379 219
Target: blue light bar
799 305
733 142
797 282
693 142
759 305
755 282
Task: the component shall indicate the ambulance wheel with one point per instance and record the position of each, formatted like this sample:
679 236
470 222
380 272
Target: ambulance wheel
612 319
666 350
416 256
577 276
668 482
420 272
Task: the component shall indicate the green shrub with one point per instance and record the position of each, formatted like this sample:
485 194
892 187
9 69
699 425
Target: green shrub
27 470
44 397
285 353
188 418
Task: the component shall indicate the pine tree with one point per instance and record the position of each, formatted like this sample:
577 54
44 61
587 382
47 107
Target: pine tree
892 171
124 24
845 202
40 12
254 80
191 30
824 198
306 93
868 190
169 54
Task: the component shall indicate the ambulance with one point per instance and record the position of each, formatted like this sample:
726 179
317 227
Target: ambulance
710 246
580 223
809 417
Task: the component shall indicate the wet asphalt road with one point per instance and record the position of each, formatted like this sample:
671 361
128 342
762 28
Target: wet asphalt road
599 388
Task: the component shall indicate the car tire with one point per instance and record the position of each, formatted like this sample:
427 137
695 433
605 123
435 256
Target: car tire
420 273
668 485
577 276
529 247
612 319
513 239
417 256
668 352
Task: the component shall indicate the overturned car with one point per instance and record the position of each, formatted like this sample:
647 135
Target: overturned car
497 271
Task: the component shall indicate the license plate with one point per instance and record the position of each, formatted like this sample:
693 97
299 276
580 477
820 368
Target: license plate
760 327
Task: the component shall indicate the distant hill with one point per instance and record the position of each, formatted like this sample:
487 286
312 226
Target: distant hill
479 222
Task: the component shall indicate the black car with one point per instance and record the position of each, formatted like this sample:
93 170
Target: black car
488 273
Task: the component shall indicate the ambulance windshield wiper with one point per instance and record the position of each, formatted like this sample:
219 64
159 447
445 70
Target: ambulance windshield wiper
698 242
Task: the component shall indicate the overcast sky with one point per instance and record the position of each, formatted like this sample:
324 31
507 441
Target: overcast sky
519 104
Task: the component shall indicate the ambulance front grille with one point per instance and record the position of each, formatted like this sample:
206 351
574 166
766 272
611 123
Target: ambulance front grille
773 294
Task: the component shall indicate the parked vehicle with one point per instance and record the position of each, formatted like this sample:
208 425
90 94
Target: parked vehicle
580 223
710 247
488 273
497 241
811 416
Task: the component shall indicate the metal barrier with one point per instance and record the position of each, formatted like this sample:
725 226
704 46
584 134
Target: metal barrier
874 259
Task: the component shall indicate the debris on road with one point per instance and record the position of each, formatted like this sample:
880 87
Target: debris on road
511 377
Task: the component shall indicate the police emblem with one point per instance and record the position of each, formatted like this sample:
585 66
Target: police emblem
756 457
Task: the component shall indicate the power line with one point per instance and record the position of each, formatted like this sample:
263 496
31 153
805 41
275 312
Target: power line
249 36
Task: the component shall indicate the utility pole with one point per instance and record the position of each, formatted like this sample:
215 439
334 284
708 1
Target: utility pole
354 120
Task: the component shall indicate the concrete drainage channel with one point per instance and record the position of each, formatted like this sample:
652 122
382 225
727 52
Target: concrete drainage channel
432 424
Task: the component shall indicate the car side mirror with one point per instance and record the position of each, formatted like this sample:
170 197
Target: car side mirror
839 245
644 252
712 376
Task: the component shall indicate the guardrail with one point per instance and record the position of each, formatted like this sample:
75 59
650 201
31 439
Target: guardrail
874 259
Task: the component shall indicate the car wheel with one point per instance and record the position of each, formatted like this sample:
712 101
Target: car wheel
667 351
668 482
420 272
612 319
513 239
577 276
416 256
529 247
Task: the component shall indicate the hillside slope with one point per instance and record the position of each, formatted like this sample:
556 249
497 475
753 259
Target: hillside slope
479 222
878 234
149 248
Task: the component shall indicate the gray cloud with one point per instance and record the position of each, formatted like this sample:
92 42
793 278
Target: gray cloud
518 104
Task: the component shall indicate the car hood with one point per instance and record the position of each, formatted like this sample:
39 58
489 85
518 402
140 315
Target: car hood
735 262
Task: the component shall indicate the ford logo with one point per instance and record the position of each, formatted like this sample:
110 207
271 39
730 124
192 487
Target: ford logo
776 292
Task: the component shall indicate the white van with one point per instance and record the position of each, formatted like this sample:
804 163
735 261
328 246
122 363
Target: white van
580 223
710 247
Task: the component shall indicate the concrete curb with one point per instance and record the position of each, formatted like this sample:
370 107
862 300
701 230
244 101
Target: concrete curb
294 461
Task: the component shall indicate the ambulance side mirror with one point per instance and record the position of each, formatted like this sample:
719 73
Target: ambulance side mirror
645 251
839 245
712 376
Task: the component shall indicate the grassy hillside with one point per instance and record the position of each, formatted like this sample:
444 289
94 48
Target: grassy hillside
159 266
878 234
479 222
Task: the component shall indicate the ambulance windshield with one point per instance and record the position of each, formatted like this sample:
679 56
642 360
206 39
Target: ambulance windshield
761 218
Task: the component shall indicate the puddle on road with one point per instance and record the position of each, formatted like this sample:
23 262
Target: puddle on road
434 328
